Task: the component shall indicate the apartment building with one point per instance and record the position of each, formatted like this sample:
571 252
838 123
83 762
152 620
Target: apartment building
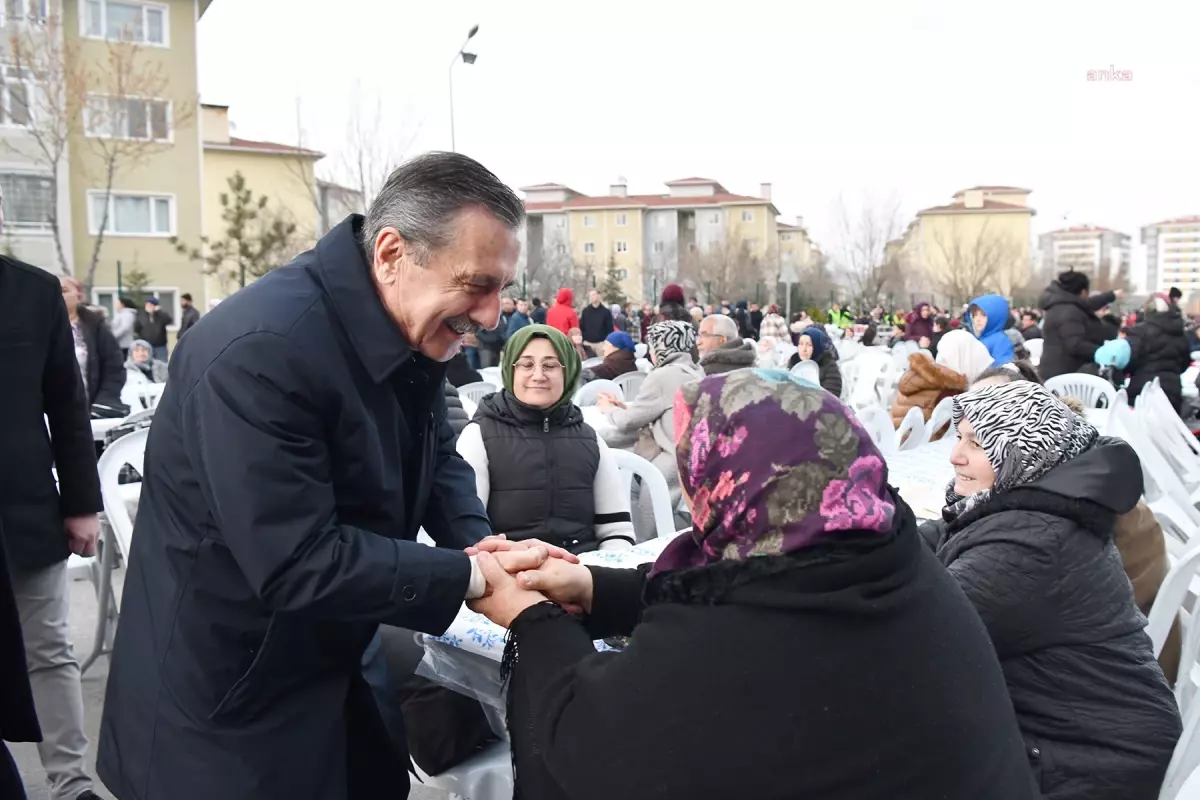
644 236
796 248
1173 255
980 241
1100 252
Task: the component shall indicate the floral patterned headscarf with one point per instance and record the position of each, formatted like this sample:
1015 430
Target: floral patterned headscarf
773 465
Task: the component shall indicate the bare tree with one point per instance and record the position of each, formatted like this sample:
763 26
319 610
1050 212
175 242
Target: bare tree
42 55
371 153
972 258
726 270
861 248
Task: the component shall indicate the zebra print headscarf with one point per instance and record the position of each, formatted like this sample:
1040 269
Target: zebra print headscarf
665 339
1025 431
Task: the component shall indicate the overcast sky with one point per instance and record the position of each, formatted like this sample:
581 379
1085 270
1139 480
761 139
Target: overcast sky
904 99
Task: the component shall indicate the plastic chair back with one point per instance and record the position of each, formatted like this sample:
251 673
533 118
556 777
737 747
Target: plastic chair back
1091 390
476 391
640 350
878 424
630 382
809 371
1034 346
492 375
942 416
586 395
129 449
912 432
629 465
148 394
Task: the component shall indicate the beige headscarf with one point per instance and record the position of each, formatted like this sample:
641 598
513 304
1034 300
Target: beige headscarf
963 353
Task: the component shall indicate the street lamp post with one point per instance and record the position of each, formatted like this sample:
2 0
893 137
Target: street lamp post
468 58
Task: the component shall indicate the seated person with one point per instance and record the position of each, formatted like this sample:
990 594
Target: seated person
142 366
814 345
619 358
926 383
459 371
540 470
757 639
989 316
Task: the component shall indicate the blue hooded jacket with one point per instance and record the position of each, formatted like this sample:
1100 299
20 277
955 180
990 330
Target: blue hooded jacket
993 336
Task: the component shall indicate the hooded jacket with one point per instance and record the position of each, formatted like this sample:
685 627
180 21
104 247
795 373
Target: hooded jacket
1158 349
562 314
734 354
924 385
993 336
1039 563
1070 330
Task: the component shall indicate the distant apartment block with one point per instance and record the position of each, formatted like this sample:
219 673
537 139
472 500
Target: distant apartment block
1100 252
1173 255
645 235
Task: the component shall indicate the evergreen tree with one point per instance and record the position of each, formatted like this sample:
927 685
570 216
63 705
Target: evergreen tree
611 289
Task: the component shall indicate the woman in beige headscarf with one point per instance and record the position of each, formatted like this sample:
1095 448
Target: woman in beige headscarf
961 357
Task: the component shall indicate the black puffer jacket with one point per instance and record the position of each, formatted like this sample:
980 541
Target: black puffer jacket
105 364
1158 349
542 471
456 415
1040 566
1071 331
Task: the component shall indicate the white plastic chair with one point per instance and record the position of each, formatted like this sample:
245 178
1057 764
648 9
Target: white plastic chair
942 416
1034 346
912 432
640 350
878 424
117 534
870 368
486 775
643 366
147 394
1091 390
809 371
1189 791
631 464
630 382
492 375
476 391
592 362
1172 601
1171 435
586 395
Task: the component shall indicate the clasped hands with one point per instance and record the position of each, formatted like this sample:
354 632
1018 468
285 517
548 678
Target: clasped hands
523 574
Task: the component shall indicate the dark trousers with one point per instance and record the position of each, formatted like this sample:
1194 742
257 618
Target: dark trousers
472 357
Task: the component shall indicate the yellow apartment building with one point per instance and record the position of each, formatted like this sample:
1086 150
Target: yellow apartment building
149 48
978 243
283 173
796 248
644 235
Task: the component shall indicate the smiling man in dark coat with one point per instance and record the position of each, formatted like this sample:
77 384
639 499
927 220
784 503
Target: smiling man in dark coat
301 443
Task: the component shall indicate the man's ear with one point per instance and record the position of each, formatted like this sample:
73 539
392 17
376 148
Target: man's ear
389 251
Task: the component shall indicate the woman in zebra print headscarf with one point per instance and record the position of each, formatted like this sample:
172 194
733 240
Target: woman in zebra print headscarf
1027 531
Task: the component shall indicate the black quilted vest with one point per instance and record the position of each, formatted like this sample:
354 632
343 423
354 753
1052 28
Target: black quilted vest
542 468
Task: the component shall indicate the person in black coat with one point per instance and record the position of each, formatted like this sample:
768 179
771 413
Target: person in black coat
595 322
104 373
814 345
793 644
1070 327
1158 349
18 717
459 372
41 524
1028 533
300 445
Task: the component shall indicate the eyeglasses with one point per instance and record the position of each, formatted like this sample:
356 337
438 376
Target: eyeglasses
549 368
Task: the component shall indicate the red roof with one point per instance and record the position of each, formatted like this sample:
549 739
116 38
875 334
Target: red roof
538 187
1179 221
635 200
267 147
690 180
998 189
783 226
988 205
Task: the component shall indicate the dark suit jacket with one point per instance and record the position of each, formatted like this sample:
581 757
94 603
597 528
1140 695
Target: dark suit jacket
299 446
105 364
41 377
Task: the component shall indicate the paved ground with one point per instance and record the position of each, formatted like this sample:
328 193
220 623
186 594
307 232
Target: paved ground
83 626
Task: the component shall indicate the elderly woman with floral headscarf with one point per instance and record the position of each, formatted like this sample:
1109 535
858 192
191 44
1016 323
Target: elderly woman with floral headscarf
794 643
1028 532
540 470
648 421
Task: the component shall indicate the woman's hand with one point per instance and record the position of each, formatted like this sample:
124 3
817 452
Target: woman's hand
498 542
569 585
607 402
506 598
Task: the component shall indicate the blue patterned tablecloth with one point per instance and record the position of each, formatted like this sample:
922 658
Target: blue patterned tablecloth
477 634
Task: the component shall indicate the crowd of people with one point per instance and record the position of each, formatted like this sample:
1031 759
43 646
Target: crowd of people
804 636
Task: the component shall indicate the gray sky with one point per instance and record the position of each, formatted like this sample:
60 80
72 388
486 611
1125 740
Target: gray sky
904 99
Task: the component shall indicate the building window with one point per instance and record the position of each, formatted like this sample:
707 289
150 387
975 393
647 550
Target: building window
131 214
658 247
28 201
747 216
168 298
16 11
622 274
622 247
715 218
622 220
589 247
16 89
589 221
139 23
787 237
127 118
561 249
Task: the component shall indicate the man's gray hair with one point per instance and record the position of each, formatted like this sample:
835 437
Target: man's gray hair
722 325
422 198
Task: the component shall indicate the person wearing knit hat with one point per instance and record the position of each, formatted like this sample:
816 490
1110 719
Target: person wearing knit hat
619 358
1158 348
540 470
1070 328
672 306
1074 282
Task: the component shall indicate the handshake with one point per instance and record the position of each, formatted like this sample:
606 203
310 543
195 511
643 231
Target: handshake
523 574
